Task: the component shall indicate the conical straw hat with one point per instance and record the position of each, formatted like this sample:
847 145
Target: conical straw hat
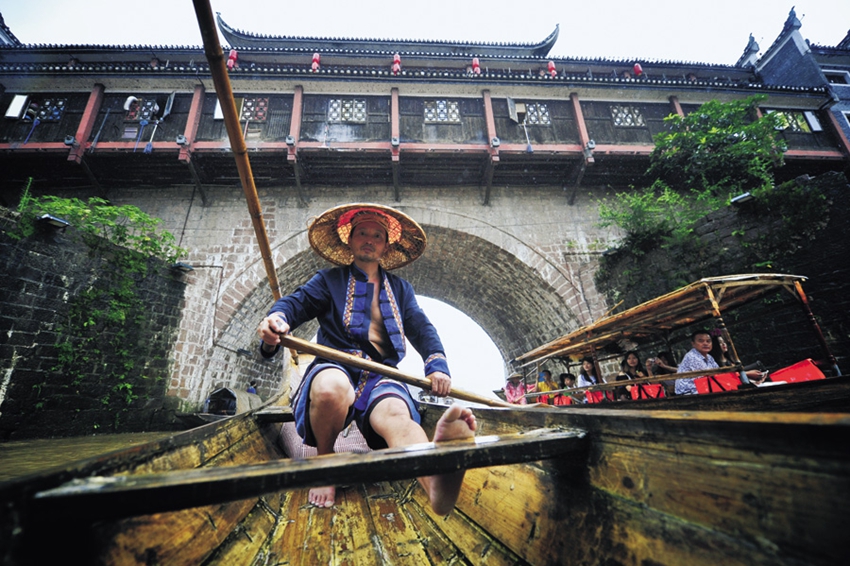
329 233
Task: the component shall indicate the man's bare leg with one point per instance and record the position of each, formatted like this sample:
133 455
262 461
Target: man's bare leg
391 419
331 395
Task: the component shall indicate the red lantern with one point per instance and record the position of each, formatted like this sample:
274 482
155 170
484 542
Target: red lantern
638 70
551 68
316 60
396 63
231 60
476 66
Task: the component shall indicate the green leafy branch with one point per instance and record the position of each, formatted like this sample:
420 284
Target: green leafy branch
103 319
704 160
99 222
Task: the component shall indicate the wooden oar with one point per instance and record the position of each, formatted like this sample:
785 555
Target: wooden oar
336 356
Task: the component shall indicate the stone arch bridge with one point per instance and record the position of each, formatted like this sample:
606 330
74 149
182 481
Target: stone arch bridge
522 268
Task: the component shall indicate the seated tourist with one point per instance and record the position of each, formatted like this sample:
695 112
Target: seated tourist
720 351
546 383
587 374
698 358
662 364
630 368
515 389
565 381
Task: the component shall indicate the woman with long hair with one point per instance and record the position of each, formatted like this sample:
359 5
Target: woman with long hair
587 373
630 368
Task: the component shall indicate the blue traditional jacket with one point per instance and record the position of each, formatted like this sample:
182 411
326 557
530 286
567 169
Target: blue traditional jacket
341 299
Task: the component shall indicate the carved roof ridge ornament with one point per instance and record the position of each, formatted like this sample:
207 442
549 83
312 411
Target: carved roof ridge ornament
241 39
6 35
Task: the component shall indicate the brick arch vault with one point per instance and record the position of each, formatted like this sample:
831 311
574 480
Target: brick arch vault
519 295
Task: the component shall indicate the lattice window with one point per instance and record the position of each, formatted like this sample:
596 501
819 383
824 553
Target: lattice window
537 114
793 121
141 109
48 110
347 111
442 111
255 109
627 116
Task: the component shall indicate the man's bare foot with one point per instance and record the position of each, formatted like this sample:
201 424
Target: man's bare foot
456 423
322 496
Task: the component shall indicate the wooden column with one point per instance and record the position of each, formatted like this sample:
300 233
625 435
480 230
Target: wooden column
294 136
715 307
87 124
493 149
395 141
295 121
804 302
584 138
193 122
677 108
190 132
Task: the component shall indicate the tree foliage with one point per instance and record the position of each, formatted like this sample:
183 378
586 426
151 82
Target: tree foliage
99 222
702 161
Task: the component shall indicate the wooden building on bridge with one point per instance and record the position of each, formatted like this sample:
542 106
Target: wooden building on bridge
322 111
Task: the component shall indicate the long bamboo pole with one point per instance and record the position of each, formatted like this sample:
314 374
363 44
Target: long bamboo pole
336 356
218 69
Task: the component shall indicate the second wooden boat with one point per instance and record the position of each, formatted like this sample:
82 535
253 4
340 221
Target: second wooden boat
802 387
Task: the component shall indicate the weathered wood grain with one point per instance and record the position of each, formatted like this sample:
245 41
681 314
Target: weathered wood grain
135 494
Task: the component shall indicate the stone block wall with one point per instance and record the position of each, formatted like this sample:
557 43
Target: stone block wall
40 277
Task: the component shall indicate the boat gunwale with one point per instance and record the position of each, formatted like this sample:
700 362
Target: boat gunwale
124 459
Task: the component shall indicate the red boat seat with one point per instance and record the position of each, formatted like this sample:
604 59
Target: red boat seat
598 396
648 391
720 382
801 371
563 400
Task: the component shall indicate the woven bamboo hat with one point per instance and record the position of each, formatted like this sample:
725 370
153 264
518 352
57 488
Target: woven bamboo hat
329 233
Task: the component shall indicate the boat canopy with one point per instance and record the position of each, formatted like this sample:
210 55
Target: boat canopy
653 320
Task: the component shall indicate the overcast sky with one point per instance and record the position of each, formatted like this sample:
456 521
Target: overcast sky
669 30
679 30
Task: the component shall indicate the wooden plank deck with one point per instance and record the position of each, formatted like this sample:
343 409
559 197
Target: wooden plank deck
127 495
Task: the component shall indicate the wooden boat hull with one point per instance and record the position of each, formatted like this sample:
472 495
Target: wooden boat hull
670 488
635 487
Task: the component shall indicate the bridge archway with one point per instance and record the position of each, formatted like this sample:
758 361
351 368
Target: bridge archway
509 298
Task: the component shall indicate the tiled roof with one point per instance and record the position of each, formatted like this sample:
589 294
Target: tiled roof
241 39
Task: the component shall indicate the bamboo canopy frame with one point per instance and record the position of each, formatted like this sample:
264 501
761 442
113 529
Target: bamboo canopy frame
702 300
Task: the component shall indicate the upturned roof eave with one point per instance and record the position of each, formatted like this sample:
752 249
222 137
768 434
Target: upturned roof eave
242 39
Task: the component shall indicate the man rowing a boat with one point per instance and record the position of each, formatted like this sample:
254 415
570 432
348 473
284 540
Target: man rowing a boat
368 312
